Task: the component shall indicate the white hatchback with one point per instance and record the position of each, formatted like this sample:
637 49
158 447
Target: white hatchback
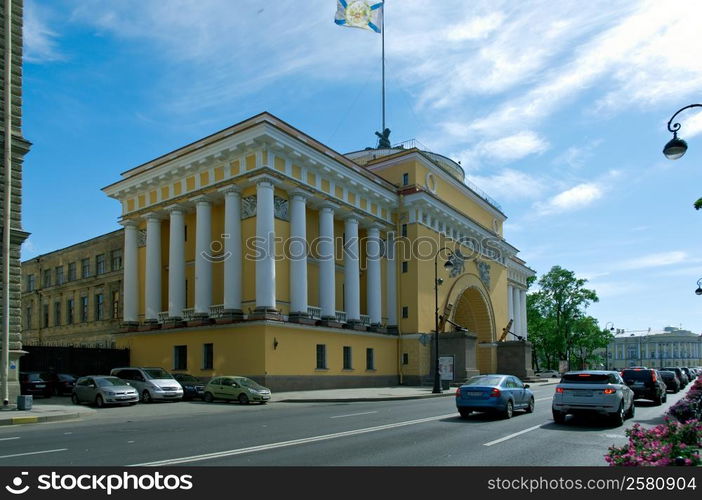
151 383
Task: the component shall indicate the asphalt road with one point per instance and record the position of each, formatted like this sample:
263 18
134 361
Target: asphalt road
423 432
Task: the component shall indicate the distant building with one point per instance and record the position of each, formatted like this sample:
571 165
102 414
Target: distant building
673 347
73 296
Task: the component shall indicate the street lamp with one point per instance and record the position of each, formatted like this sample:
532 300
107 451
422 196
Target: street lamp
611 329
699 287
676 148
437 281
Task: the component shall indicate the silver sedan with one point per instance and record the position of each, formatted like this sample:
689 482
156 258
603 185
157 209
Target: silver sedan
102 390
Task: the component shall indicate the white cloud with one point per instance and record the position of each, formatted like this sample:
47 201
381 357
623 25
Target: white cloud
511 184
40 42
513 147
577 197
655 260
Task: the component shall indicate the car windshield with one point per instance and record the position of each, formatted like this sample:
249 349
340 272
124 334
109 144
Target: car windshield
251 384
666 374
109 381
157 373
35 377
186 378
586 378
489 381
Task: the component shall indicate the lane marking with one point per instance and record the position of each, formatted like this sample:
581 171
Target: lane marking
354 414
7 439
294 442
514 435
544 399
33 453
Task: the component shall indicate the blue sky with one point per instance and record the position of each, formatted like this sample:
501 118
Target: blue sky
557 110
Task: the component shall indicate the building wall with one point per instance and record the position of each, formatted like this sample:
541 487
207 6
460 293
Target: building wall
674 348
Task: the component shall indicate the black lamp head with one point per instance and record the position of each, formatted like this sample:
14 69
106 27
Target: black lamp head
675 148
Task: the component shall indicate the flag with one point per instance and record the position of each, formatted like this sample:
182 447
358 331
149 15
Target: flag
366 14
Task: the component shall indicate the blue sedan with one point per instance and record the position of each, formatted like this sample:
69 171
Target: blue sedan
500 394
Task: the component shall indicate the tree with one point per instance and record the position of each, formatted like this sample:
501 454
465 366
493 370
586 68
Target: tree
587 338
556 308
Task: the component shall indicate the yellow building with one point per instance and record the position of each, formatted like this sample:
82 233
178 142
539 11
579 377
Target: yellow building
270 255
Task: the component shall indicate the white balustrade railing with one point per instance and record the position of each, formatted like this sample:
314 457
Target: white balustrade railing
314 312
162 316
365 319
341 316
216 311
188 314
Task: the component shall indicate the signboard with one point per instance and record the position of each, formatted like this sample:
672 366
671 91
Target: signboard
446 367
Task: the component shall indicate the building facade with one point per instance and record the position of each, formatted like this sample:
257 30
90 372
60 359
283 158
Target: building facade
14 151
268 254
73 296
673 347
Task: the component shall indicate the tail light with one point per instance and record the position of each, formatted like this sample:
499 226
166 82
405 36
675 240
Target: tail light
609 391
458 392
559 390
653 375
495 393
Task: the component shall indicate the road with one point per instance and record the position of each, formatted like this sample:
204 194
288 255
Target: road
422 432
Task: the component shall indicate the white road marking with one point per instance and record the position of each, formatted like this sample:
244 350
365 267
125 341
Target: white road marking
294 442
8 439
544 399
33 453
354 414
513 435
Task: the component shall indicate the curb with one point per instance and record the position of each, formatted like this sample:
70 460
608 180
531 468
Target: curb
362 399
38 419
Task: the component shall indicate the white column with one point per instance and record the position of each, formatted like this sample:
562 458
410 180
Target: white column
517 325
131 273
373 275
391 278
153 267
176 262
510 304
327 265
232 249
265 244
203 253
523 312
352 284
298 252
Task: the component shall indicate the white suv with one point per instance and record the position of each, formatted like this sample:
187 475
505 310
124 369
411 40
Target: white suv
151 383
593 391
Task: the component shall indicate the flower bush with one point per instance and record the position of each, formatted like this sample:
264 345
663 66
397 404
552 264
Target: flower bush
670 443
689 407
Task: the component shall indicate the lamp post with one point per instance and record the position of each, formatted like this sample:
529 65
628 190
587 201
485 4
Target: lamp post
611 329
447 265
676 148
699 287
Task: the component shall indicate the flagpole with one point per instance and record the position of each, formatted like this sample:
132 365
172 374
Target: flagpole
382 33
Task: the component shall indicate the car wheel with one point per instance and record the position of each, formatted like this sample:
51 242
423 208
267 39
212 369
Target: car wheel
559 417
74 399
146 397
618 416
465 413
99 402
243 399
208 397
509 410
530 406
665 397
632 411
658 400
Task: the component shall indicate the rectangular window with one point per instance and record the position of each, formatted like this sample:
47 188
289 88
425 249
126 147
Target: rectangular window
404 230
99 307
321 357
405 312
30 283
57 313
69 311
405 266
28 318
116 258
347 358
405 179
115 304
370 359
72 271
207 356
180 357
45 315
84 309
85 268
59 275
405 358
100 264
47 278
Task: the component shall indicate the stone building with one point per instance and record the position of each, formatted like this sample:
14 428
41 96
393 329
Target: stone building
674 347
73 296
13 154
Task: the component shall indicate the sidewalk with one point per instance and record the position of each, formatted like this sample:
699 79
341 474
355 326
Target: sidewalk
46 410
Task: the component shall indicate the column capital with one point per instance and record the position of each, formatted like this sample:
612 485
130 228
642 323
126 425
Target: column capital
327 206
231 189
352 217
265 180
129 223
299 193
153 216
176 207
203 198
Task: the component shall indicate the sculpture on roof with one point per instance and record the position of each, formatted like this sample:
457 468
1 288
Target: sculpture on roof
384 139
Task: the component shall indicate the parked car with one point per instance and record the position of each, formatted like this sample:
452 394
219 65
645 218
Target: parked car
548 373
33 384
61 383
500 394
152 383
237 388
682 376
193 387
671 381
690 374
102 390
593 392
646 384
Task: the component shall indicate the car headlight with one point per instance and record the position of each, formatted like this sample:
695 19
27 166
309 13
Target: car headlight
156 388
110 393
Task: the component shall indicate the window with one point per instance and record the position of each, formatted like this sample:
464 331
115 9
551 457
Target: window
28 318
405 179
69 311
405 312
180 357
404 230
116 258
47 278
185 232
321 357
370 359
115 304
72 271
84 309
57 313
99 303
100 264
207 356
31 283
405 266
58 272
405 358
85 268
45 315
347 358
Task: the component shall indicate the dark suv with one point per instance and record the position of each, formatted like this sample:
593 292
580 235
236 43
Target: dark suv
32 384
682 376
646 384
